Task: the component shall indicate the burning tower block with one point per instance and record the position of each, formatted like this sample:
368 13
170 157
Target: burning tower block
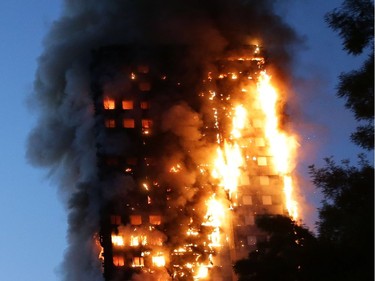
186 160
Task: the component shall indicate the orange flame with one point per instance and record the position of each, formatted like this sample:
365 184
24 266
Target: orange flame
158 260
281 145
214 217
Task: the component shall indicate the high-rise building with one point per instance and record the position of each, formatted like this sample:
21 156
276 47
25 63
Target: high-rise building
184 161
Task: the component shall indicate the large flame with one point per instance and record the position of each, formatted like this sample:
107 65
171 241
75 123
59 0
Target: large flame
214 218
281 145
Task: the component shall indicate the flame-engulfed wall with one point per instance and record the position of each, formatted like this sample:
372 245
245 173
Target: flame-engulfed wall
182 208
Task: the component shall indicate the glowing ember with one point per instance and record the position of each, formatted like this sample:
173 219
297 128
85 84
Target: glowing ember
145 185
175 169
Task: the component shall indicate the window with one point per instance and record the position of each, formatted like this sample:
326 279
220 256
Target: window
244 179
110 123
249 220
267 200
110 161
118 261
138 262
145 105
127 104
131 161
247 200
251 240
259 142
262 161
158 260
128 123
149 161
155 220
146 126
257 123
109 103
135 219
116 220
117 240
144 86
146 123
143 69
264 180
135 241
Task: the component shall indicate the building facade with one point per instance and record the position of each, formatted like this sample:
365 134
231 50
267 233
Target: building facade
164 125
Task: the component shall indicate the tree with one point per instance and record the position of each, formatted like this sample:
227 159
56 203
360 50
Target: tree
346 218
289 253
354 22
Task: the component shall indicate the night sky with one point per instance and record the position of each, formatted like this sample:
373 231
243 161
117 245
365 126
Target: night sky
33 225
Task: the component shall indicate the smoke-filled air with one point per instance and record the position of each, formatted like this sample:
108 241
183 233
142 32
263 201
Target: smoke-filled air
161 124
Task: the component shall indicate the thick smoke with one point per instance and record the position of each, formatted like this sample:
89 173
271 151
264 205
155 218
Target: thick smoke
63 141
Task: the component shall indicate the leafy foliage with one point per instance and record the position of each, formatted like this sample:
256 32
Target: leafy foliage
354 22
287 254
346 218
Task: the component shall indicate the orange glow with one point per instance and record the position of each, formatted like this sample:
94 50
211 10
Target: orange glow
145 186
281 145
227 166
159 260
238 121
134 241
175 169
229 160
117 240
118 260
214 217
202 272
138 262
109 103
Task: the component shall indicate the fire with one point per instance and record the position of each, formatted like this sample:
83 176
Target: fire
239 121
243 132
158 260
117 240
202 272
214 218
227 166
175 169
136 240
109 103
281 145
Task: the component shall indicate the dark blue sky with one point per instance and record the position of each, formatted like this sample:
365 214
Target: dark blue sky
33 225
